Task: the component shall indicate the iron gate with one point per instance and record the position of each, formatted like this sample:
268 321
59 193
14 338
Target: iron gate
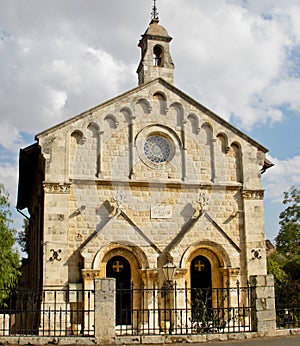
175 310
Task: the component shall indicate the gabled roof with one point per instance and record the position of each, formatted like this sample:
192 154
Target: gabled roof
172 88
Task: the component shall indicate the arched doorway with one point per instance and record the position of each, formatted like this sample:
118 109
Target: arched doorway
201 293
119 268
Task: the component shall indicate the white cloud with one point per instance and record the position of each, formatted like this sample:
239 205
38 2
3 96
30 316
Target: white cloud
9 177
283 175
228 54
284 91
59 58
234 55
43 83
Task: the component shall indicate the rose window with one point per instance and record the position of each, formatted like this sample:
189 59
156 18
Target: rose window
157 149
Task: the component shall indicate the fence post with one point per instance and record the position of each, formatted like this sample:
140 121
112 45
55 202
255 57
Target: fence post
105 316
263 303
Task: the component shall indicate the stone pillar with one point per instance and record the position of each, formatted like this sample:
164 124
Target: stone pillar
105 316
263 303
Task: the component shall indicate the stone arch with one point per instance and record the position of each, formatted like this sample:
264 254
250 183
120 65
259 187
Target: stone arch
93 149
77 140
133 255
176 110
111 121
223 142
221 148
143 106
78 136
160 102
205 140
214 253
159 128
131 252
127 114
158 55
194 123
170 167
206 128
94 128
235 155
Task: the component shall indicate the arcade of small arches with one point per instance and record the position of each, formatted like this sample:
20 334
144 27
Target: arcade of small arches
97 137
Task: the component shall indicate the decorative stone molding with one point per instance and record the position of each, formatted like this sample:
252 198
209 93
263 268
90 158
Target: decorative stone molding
234 271
202 202
253 194
56 187
230 272
179 273
149 274
90 274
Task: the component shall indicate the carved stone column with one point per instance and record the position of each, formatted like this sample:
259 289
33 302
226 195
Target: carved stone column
89 275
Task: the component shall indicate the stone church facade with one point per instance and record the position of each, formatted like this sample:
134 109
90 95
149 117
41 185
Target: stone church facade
148 179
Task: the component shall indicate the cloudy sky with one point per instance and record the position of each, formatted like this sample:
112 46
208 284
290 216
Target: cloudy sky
239 58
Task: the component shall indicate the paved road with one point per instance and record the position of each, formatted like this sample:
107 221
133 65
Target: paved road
278 341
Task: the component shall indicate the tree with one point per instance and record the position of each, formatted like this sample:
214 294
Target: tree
276 264
9 258
288 238
285 263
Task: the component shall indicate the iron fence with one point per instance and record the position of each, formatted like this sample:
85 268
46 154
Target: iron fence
139 311
287 299
47 312
175 310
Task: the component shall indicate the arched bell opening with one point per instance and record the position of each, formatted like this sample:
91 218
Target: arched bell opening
157 56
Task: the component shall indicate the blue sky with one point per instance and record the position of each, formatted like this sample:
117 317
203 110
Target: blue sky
241 59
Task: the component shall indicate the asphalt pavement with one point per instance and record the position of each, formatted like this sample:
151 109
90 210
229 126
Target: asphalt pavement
276 341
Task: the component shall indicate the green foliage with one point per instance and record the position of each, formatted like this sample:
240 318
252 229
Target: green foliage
285 263
22 237
9 258
205 319
288 238
276 264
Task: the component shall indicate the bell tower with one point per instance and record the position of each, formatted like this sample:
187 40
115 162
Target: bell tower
156 61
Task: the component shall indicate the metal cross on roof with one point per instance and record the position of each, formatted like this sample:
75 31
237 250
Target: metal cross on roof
154 13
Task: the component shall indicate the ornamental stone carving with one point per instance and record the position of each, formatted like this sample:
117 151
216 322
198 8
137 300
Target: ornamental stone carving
253 194
56 187
90 274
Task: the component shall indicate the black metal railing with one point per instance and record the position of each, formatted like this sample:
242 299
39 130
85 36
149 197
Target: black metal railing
50 312
287 298
139 311
175 310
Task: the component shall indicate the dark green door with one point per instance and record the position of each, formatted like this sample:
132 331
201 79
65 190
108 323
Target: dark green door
119 268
